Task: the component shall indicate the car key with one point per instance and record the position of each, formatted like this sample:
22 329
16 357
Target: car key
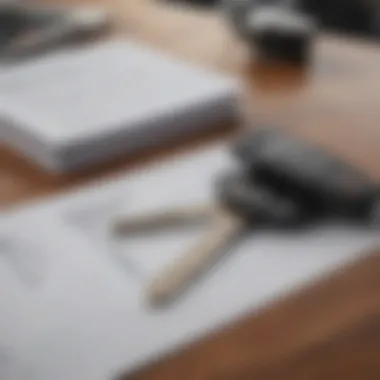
239 204
324 184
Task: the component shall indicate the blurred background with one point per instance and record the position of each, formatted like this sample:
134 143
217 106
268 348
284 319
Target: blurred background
310 67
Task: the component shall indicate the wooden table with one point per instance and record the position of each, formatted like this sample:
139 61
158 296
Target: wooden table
331 330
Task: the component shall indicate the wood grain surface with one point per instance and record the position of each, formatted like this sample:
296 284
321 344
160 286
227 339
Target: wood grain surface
331 330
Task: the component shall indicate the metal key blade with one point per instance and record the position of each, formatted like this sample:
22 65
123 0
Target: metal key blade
177 277
181 216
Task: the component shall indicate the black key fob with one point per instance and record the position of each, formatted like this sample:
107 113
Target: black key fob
258 204
321 182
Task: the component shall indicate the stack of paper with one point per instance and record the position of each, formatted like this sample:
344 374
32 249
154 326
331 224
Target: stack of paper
82 106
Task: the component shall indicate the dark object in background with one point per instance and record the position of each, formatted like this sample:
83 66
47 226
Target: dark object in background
323 184
27 30
279 31
281 34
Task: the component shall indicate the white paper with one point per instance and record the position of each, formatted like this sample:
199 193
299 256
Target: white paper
83 316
